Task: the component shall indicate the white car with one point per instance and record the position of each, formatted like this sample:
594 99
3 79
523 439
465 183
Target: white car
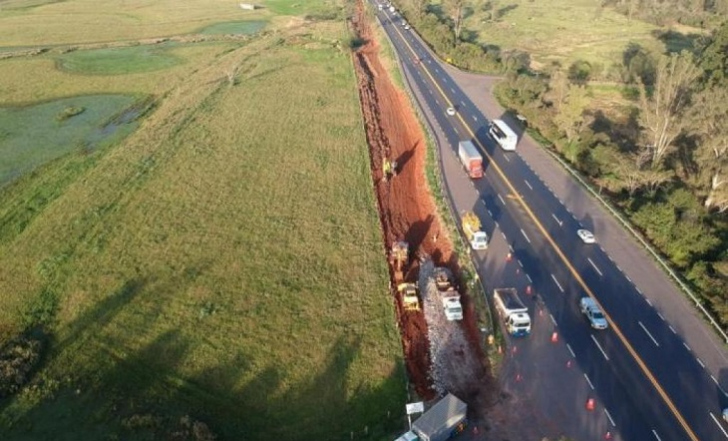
591 310
450 111
406 27
586 236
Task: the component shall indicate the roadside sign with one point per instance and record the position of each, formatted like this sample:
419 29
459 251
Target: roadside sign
415 408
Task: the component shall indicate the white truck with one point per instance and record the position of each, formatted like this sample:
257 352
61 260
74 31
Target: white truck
451 305
441 422
512 310
503 135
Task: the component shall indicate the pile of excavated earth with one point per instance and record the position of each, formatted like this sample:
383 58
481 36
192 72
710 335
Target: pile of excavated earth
440 356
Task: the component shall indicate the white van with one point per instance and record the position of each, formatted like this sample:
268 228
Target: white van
503 135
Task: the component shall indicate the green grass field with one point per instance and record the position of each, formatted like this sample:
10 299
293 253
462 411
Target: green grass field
235 27
560 31
126 60
224 261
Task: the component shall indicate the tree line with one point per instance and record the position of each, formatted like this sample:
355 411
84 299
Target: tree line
664 163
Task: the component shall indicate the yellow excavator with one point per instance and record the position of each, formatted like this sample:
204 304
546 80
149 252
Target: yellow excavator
399 256
410 301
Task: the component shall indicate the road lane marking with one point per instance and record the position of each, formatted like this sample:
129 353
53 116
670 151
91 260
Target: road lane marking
489 213
672 329
452 89
649 302
630 280
661 316
557 283
717 423
557 219
524 235
656 435
648 334
520 263
687 347
570 350
589 381
638 290
700 362
475 118
529 278
600 347
506 158
610 417
529 212
553 320
528 184
501 199
595 267
462 102
504 235
715 380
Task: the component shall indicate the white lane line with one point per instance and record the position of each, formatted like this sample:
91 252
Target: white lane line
630 280
463 103
717 423
672 329
610 417
557 283
638 290
529 278
600 347
506 158
504 235
649 302
520 263
595 267
553 320
453 90
528 184
570 350
475 118
648 334
700 362
429 91
715 380
489 213
661 316
557 219
687 347
501 199
589 381
524 235
656 435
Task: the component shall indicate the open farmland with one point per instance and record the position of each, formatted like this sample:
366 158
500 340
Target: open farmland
223 263
559 31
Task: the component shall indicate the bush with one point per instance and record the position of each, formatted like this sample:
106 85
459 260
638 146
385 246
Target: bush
18 358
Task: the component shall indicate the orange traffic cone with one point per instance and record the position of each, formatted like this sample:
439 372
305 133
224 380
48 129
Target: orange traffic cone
554 337
528 290
590 404
608 435
568 363
518 378
514 349
509 257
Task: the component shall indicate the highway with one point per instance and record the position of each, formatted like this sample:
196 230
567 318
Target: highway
641 369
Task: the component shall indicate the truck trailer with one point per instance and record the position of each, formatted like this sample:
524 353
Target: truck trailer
442 420
471 159
512 310
503 135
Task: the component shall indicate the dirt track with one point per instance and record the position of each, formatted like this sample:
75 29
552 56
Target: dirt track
408 212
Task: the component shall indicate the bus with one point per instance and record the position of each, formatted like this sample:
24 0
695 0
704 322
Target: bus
503 135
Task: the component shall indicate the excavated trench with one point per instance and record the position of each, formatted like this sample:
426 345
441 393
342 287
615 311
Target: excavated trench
406 208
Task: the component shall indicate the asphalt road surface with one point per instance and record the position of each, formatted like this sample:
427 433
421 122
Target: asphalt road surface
647 381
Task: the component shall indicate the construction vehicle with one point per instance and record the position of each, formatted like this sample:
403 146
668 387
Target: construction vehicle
442 279
389 168
451 305
399 256
471 159
512 311
410 301
471 226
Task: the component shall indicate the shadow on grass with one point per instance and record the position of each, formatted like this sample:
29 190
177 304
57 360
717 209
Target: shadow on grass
145 396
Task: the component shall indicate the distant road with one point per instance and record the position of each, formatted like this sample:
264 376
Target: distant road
657 368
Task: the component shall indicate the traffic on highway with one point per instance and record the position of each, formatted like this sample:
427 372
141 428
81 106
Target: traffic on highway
653 383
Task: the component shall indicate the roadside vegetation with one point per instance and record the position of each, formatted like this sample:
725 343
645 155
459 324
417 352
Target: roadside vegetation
638 108
216 272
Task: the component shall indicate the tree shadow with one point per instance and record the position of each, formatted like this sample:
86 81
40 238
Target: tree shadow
623 135
469 36
676 42
506 9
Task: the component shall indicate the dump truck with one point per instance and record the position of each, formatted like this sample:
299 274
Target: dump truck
472 228
512 310
442 421
410 300
451 305
471 159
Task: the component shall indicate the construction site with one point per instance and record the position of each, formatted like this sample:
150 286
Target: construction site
441 343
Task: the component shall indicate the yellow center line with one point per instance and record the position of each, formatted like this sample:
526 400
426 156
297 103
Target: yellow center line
556 248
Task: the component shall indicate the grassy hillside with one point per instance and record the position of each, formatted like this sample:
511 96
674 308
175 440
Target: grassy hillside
223 262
